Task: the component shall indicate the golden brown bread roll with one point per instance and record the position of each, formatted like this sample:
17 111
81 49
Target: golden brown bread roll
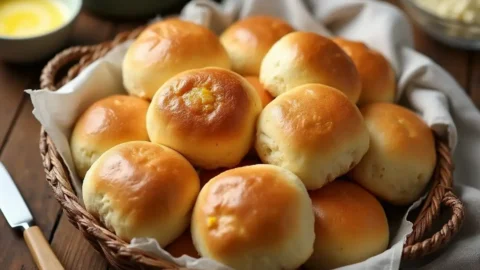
249 39
208 115
303 57
378 77
262 92
206 175
401 158
350 226
254 217
106 123
314 131
183 245
167 48
142 189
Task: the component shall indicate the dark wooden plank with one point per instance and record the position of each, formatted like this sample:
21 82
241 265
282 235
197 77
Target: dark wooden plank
13 80
90 29
475 78
128 26
22 159
73 250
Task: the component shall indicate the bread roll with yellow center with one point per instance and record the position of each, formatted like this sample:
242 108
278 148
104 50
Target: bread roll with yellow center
254 217
106 123
350 226
167 48
249 39
265 97
376 73
303 57
142 189
208 115
314 131
401 158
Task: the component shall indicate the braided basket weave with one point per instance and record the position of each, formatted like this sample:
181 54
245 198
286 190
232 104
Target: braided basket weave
117 252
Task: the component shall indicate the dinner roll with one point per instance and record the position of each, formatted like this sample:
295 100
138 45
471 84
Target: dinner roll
314 131
142 189
265 97
401 158
106 123
206 175
167 48
254 217
183 245
303 57
248 40
350 226
208 115
376 74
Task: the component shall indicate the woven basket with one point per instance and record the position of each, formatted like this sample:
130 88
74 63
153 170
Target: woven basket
120 256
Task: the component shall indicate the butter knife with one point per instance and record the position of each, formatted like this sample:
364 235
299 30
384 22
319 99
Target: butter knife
18 216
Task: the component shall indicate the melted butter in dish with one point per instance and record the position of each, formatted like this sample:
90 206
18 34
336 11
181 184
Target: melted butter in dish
28 18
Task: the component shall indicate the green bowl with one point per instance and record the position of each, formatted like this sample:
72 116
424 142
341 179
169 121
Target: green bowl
132 8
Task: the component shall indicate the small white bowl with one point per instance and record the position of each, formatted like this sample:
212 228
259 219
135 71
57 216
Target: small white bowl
40 47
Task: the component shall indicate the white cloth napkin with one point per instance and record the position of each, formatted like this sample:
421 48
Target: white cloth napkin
422 85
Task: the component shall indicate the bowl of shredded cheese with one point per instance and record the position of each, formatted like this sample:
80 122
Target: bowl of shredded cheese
33 30
453 22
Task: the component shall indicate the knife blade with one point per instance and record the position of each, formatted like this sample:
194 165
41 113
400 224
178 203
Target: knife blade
17 214
12 204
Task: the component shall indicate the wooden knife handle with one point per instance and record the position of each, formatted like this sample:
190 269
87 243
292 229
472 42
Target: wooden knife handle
40 249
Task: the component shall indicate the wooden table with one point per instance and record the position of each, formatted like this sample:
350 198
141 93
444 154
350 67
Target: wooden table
19 135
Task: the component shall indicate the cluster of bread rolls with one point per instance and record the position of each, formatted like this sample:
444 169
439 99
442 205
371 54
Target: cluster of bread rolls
264 148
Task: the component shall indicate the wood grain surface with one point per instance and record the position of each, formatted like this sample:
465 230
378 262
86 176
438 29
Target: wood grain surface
19 134
73 250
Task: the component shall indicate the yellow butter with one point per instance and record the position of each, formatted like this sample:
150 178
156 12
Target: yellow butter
211 221
27 18
200 98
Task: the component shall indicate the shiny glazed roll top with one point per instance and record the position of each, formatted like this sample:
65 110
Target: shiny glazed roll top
254 217
208 115
167 48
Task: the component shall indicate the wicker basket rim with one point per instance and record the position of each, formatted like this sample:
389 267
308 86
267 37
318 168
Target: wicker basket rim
119 255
